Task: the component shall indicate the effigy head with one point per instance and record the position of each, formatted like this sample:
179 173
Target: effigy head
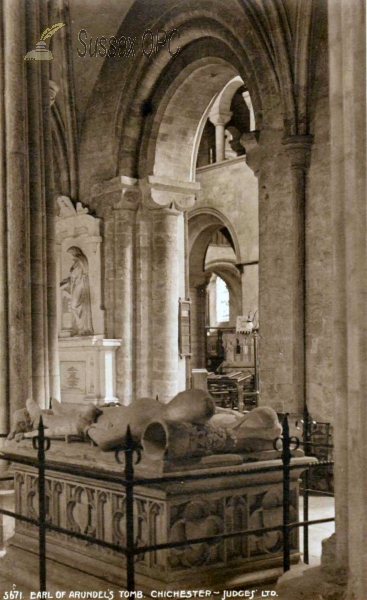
20 423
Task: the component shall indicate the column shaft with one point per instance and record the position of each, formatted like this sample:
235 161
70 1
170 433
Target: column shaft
50 233
298 147
198 299
165 307
17 227
219 142
347 35
4 394
143 305
109 265
38 289
250 288
281 268
124 223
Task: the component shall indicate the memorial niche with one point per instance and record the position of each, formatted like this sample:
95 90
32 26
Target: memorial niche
76 286
87 357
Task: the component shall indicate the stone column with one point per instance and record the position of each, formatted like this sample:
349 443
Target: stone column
4 394
347 43
125 217
166 202
117 201
220 120
28 315
143 304
37 221
52 366
165 303
282 201
17 201
298 148
198 310
249 286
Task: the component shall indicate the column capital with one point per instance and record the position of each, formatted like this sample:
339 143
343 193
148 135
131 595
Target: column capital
298 148
164 193
254 154
220 118
241 266
119 193
200 280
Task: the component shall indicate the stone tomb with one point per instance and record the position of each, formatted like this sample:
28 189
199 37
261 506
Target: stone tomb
163 512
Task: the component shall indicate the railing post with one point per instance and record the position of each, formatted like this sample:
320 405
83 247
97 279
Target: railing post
307 430
306 482
286 458
308 425
41 444
129 477
287 444
129 448
256 364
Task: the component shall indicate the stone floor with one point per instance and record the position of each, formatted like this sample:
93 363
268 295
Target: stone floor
321 507
305 582
301 583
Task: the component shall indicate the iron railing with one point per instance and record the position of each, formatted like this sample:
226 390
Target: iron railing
309 428
285 445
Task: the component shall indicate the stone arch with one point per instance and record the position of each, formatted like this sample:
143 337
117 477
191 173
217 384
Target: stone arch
169 144
202 224
126 106
232 278
131 110
223 103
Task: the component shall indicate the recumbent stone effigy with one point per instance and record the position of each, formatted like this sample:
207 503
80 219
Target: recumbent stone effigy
187 435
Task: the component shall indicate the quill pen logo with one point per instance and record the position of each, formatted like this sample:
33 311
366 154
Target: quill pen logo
41 52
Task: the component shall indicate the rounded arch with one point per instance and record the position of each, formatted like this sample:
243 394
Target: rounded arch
202 223
222 103
128 94
233 282
168 142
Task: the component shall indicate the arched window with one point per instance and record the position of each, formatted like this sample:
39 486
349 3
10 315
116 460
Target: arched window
222 301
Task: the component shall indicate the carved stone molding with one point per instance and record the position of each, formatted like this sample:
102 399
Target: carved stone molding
72 222
220 118
162 513
200 280
254 154
298 148
163 193
120 193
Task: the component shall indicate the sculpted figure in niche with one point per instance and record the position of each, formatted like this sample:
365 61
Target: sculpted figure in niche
77 286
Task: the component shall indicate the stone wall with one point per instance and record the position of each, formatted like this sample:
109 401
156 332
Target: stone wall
231 188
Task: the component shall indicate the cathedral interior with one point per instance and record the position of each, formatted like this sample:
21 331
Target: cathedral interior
183 198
